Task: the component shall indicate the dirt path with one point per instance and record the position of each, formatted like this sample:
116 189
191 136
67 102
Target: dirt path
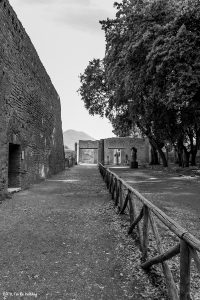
177 195
61 239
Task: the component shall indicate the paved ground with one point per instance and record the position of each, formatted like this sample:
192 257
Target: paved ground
61 239
176 194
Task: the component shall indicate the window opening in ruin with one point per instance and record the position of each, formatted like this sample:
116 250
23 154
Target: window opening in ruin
14 160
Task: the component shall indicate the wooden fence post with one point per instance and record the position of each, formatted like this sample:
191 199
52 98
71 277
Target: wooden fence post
131 212
185 261
139 227
107 179
145 232
113 188
125 203
111 181
117 192
171 287
136 221
120 196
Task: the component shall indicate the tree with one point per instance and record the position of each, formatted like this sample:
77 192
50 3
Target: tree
93 88
175 57
149 77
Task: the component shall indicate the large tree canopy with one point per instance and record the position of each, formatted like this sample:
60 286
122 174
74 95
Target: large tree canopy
150 76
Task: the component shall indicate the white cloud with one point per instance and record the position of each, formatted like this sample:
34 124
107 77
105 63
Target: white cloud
83 19
55 2
75 14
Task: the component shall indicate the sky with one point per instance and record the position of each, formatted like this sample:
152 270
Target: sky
67 35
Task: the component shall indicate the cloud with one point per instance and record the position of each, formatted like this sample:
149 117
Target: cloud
56 2
76 14
84 19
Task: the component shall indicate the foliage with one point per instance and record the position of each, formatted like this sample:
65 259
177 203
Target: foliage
150 75
93 88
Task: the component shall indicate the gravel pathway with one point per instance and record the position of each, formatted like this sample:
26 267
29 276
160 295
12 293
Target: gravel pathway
62 239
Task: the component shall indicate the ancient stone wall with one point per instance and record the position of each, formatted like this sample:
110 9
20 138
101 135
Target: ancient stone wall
124 145
88 151
88 144
30 113
106 150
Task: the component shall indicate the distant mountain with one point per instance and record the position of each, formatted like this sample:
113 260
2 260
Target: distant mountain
71 137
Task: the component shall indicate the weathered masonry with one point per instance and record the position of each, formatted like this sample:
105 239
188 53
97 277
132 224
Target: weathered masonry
31 142
88 151
113 151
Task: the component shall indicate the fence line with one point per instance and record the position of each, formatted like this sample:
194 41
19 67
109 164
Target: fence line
188 246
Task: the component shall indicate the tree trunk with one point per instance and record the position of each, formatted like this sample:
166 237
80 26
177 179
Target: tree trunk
176 158
155 144
180 153
193 155
163 157
159 149
154 156
193 148
186 157
180 158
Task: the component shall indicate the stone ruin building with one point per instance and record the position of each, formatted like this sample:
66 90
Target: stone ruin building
31 141
113 151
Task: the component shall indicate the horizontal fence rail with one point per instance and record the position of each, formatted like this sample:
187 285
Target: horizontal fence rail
188 246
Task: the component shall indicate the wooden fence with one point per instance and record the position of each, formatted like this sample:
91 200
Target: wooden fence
188 247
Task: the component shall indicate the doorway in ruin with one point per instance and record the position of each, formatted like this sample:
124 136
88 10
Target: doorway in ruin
117 156
14 160
88 156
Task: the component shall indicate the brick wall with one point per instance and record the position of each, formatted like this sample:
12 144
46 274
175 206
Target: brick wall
29 106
